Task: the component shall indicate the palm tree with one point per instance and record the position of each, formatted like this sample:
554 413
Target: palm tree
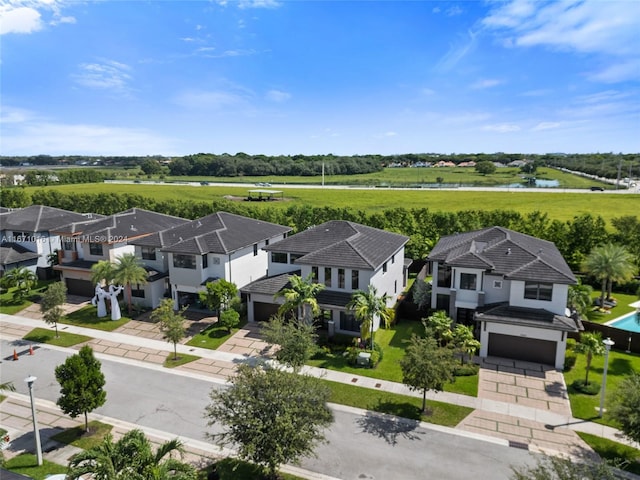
128 270
366 306
464 341
591 345
131 457
579 298
440 324
609 263
301 297
23 280
102 272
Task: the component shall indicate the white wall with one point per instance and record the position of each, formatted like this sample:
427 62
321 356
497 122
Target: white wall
496 295
557 305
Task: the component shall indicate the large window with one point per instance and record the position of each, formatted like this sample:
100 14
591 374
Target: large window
341 278
184 261
538 291
95 249
355 279
444 276
314 274
327 277
278 257
148 253
468 281
205 261
348 322
137 291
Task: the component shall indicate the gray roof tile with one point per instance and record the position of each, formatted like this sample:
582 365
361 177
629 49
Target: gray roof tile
11 253
39 218
530 317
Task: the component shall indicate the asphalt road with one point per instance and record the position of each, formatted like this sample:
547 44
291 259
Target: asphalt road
363 447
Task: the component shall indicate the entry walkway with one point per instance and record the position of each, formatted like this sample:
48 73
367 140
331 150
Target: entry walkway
539 429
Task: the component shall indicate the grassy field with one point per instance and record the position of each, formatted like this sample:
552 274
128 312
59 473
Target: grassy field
622 308
77 437
182 358
214 336
557 205
27 464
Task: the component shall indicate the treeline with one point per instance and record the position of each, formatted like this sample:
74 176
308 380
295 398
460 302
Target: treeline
57 177
600 164
574 238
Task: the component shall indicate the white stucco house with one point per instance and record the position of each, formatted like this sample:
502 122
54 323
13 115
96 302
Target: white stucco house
512 286
345 257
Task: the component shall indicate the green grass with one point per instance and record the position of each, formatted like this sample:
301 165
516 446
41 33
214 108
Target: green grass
622 308
182 358
438 413
87 317
213 336
64 339
9 307
585 406
77 437
234 469
393 342
625 457
27 464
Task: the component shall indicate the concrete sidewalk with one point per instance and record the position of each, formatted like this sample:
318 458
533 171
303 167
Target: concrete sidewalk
549 429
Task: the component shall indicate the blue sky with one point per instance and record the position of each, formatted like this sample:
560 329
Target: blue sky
289 77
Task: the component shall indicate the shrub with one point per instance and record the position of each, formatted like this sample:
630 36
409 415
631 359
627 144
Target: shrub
591 388
569 361
466 370
378 349
351 353
374 359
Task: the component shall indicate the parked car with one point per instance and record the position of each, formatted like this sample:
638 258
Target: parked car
597 189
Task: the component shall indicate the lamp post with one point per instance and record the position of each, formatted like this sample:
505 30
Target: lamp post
30 380
608 343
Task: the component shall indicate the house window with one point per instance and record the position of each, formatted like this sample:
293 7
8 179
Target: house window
384 267
444 276
95 249
341 278
68 246
395 286
277 257
205 261
314 274
184 261
20 236
293 257
393 259
255 249
266 242
148 253
468 281
538 291
497 284
442 302
137 291
348 322
327 277
215 260
355 279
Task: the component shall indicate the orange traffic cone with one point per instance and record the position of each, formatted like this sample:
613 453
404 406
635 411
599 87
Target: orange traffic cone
15 355
30 349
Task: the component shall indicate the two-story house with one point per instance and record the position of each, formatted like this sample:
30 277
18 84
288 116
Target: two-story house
513 286
345 257
88 242
26 235
219 246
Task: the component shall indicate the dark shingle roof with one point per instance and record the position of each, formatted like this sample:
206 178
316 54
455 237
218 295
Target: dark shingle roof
39 218
128 225
529 317
339 243
13 253
219 232
505 252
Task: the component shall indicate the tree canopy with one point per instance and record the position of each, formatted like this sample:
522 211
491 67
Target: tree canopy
625 407
366 307
296 340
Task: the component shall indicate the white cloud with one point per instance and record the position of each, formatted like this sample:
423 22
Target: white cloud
19 20
277 96
486 83
457 52
427 92
545 126
109 75
259 4
211 100
390 134
619 72
536 93
501 128
9 114
454 11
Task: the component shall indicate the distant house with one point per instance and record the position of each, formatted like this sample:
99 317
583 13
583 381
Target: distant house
467 164
103 238
512 286
28 229
345 257
517 163
443 163
219 246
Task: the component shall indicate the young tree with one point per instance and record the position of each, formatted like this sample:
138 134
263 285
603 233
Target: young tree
229 319
609 263
366 306
218 295
591 345
296 339
425 366
171 323
81 384
464 341
131 457
625 407
440 324
564 468
485 167
23 280
272 416
421 294
129 270
50 305
301 297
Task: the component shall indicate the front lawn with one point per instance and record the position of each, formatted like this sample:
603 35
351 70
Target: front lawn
9 307
586 406
393 342
27 464
213 336
64 339
622 307
77 437
622 456
87 317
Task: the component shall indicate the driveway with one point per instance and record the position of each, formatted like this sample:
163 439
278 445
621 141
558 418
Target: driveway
528 385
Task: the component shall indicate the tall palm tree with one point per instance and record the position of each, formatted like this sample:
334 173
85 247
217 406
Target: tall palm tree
301 297
367 306
131 457
102 272
591 345
609 263
128 270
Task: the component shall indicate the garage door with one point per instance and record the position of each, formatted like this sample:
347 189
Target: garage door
263 311
80 287
522 348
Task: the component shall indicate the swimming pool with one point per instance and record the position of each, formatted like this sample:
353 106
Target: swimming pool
629 322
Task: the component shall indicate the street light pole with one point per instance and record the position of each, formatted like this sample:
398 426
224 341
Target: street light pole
30 380
608 343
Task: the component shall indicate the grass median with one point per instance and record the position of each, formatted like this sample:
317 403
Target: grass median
64 339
